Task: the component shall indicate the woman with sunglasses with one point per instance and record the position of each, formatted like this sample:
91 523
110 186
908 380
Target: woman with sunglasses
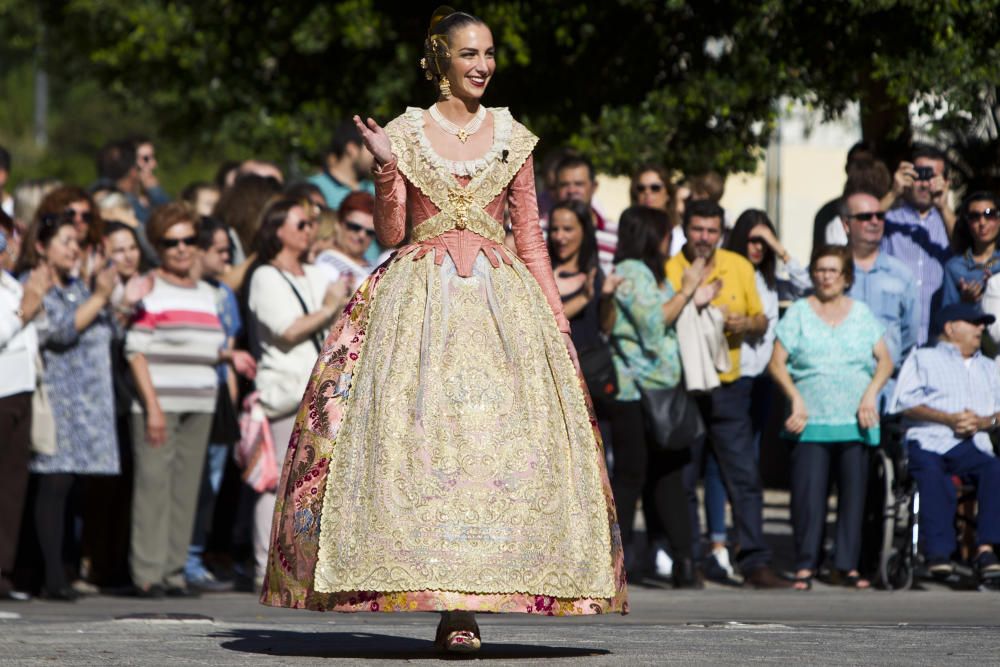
976 254
355 233
75 342
78 207
651 187
173 347
291 304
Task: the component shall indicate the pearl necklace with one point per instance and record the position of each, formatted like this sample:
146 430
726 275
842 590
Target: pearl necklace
463 133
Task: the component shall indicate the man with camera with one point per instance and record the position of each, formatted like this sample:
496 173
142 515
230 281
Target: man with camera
917 231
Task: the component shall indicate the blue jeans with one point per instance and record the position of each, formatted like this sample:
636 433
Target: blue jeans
938 496
211 480
715 491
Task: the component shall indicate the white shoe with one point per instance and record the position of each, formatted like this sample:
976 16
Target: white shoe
664 564
721 556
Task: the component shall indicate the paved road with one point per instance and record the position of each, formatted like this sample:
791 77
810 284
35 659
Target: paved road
720 625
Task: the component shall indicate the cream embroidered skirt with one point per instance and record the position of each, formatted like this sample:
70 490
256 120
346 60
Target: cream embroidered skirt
445 457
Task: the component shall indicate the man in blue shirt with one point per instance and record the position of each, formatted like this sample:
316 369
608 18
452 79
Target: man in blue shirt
918 231
881 282
949 396
346 166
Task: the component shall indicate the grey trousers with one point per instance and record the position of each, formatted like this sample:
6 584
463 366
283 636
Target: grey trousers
167 479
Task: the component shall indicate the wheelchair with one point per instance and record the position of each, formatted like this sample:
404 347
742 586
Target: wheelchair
891 537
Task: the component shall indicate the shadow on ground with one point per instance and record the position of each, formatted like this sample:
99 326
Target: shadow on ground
368 646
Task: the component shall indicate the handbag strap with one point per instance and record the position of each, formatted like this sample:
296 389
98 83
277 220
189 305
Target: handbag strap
314 337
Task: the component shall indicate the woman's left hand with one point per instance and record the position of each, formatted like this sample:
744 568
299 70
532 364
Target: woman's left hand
568 340
611 283
868 412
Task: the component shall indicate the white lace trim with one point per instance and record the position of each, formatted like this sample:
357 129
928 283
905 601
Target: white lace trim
503 126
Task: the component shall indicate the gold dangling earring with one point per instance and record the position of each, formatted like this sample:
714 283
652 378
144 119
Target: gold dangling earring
445 87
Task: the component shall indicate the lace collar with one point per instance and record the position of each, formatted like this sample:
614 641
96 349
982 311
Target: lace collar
503 124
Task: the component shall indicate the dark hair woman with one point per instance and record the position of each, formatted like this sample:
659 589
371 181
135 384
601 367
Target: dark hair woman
646 355
830 361
651 186
291 305
977 256
74 337
452 390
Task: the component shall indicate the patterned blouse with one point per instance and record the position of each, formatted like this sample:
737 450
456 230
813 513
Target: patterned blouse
644 349
831 367
77 378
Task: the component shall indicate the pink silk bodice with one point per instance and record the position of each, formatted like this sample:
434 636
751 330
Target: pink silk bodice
397 199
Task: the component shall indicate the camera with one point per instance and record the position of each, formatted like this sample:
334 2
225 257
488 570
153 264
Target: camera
924 173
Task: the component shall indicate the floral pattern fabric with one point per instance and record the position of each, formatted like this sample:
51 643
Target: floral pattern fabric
831 367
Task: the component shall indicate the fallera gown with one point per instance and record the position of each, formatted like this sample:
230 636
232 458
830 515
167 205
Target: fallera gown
445 455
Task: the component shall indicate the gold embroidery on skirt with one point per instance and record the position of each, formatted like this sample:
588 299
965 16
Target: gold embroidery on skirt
492 486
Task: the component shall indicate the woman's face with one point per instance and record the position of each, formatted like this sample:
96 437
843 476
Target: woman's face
472 60
9 258
215 258
123 251
357 230
295 233
984 221
62 251
179 248
82 217
756 247
566 233
650 190
828 277
205 200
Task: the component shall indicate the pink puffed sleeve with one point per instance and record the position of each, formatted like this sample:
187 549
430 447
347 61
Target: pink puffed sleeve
529 240
390 204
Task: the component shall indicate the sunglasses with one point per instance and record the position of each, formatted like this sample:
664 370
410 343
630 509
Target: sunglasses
188 241
652 187
85 216
986 214
305 223
355 227
146 158
867 216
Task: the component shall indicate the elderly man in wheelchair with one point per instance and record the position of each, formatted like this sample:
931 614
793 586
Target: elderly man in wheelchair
949 397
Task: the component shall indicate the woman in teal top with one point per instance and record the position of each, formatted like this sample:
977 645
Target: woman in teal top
830 361
645 353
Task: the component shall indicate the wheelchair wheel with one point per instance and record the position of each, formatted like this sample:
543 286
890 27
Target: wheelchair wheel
896 555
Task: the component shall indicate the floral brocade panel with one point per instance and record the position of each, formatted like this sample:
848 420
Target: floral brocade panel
467 470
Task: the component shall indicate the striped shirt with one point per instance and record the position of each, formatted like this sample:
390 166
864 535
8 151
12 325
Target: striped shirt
940 378
179 332
922 245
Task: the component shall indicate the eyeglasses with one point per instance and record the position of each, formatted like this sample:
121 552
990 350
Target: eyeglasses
652 187
355 227
986 213
86 216
867 216
757 239
188 241
823 271
305 223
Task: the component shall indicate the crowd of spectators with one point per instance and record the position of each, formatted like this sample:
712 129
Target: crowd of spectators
140 335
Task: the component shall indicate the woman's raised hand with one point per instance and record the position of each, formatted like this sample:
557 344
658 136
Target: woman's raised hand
376 140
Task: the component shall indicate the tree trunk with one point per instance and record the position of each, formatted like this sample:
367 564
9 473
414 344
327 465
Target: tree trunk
885 124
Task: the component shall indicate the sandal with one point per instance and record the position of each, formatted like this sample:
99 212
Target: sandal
802 583
856 581
452 639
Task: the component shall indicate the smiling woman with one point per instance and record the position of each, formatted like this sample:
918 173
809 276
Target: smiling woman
445 457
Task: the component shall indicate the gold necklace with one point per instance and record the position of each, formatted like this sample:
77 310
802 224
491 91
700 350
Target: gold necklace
463 133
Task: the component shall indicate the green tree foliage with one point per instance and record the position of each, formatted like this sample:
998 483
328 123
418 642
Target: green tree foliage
693 85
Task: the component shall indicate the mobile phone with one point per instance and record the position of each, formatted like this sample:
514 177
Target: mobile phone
925 173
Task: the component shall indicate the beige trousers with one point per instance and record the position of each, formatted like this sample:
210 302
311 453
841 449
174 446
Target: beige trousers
167 479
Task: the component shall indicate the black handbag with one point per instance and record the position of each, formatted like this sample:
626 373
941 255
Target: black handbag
225 423
670 415
599 372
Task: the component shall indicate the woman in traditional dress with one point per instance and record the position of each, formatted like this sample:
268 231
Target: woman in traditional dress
445 457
